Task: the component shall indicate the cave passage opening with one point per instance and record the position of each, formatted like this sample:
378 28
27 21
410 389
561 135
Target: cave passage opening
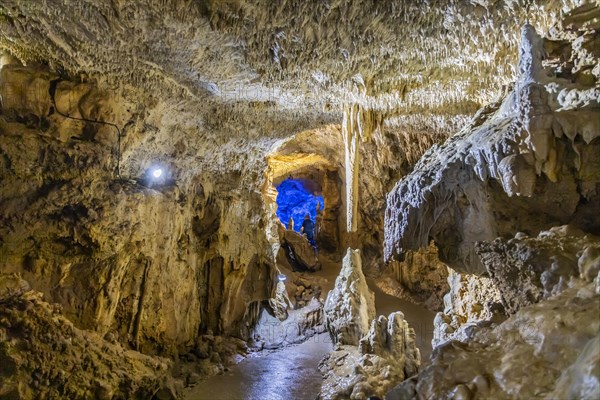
296 198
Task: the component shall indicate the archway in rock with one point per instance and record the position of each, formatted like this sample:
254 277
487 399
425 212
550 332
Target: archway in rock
319 179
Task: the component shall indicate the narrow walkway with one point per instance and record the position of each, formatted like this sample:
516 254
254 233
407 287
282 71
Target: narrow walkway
288 373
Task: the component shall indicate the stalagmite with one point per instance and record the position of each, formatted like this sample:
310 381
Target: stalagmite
350 306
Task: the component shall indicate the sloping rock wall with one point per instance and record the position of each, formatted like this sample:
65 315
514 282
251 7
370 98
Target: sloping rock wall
299 252
155 264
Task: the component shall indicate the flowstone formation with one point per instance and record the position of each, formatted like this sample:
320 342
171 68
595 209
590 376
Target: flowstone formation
521 317
420 277
540 141
386 355
471 300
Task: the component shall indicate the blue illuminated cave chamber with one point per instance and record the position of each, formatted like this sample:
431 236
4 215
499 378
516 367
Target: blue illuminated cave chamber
296 198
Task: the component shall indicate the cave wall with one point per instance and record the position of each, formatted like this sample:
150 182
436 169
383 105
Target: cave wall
157 266
512 207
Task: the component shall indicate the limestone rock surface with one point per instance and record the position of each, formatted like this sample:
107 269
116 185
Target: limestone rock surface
523 164
150 262
546 350
350 305
294 55
420 277
11 285
299 252
470 301
301 324
525 269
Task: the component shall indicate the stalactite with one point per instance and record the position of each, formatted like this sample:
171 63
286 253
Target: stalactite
358 125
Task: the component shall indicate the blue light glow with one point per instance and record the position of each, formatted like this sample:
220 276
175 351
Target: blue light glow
294 200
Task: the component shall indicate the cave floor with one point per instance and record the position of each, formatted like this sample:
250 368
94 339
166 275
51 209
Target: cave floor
291 372
287 373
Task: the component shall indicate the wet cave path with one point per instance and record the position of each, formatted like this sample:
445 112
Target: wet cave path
284 374
291 372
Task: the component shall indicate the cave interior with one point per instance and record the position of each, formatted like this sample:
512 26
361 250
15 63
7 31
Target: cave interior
153 154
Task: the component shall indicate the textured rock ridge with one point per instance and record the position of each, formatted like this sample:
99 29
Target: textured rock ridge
554 341
511 202
471 300
392 337
350 306
519 267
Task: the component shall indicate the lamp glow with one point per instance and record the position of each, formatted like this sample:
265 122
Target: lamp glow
157 173
281 277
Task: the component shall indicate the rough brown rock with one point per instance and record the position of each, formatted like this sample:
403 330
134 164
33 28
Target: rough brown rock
43 355
215 92
299 252
11 285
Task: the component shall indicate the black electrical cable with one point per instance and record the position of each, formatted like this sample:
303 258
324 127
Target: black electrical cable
52 92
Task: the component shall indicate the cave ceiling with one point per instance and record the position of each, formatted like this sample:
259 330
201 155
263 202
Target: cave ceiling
421 64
